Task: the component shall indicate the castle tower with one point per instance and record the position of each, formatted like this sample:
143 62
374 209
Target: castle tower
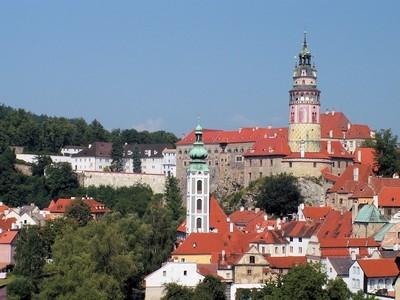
198 182
304 105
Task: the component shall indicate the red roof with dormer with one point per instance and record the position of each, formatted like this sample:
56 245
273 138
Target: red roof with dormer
285 262
243 135
316 213
269 147
60 205
389 197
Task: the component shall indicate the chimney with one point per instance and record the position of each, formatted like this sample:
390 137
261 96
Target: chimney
333 112
265 217
359 156
329 147
257 210
223 255
230 227
242 208
348 126
353 256
355 173
375 200
331 133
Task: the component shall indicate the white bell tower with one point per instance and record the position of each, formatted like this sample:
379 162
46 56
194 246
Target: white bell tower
198 182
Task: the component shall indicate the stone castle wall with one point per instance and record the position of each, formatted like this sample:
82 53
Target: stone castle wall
116 180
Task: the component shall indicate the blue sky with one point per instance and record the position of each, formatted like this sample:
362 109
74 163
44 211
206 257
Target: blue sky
162 64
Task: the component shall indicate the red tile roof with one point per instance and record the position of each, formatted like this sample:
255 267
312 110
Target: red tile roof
285 262
326 173
269 147
207 269
271 237
7 237
245 216
389 197
358 131
300 228
336 122
348 242
6 224
365 156
346 182
3 207
60 205
316 213
243 135
382 267
336 225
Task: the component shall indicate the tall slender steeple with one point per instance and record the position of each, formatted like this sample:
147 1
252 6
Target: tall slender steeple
198 182
304 105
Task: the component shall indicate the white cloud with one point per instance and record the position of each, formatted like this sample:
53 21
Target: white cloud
150 125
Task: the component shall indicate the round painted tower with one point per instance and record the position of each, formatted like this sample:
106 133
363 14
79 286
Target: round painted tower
304 106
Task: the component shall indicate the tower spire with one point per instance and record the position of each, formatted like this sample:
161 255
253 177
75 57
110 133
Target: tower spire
305 40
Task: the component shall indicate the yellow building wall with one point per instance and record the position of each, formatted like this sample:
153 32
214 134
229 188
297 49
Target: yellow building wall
198 259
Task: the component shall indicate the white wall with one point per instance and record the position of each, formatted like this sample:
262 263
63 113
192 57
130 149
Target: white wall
152 165
356 278
297 247
172 272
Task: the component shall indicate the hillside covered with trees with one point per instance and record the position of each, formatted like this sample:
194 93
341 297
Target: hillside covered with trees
44 134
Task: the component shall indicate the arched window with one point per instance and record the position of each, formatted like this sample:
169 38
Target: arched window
199 205
199 186
198 223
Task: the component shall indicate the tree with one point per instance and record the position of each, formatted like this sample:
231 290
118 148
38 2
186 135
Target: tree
137 163
21 288
279 194
31 254
103 260
79 211
61 180
175 291
361 296
173 198
43 161
386 153
117 152
211 288
337 289
304 282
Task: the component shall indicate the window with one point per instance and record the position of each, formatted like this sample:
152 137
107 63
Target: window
315 165
291 239
380 284
199 205
260 175
290 164
252 259
300 239
164 273
249 272
276 250
291 249
260 162
300 250
198 223
184 273
239 158
199 186
249 176
182 260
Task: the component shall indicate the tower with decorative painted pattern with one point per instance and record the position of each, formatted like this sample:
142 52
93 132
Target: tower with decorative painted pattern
304 105
198 182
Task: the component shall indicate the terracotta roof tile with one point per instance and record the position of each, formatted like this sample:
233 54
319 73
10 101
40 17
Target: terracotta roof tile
60 205
382 267
316 213
285 262
7 237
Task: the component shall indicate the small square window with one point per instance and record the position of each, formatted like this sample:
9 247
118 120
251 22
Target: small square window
185 273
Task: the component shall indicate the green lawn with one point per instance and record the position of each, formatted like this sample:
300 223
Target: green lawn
6 281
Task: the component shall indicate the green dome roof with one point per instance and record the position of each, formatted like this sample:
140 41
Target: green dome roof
199 128
198 152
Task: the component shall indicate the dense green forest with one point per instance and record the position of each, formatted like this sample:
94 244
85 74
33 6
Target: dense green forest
79 258
44 134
